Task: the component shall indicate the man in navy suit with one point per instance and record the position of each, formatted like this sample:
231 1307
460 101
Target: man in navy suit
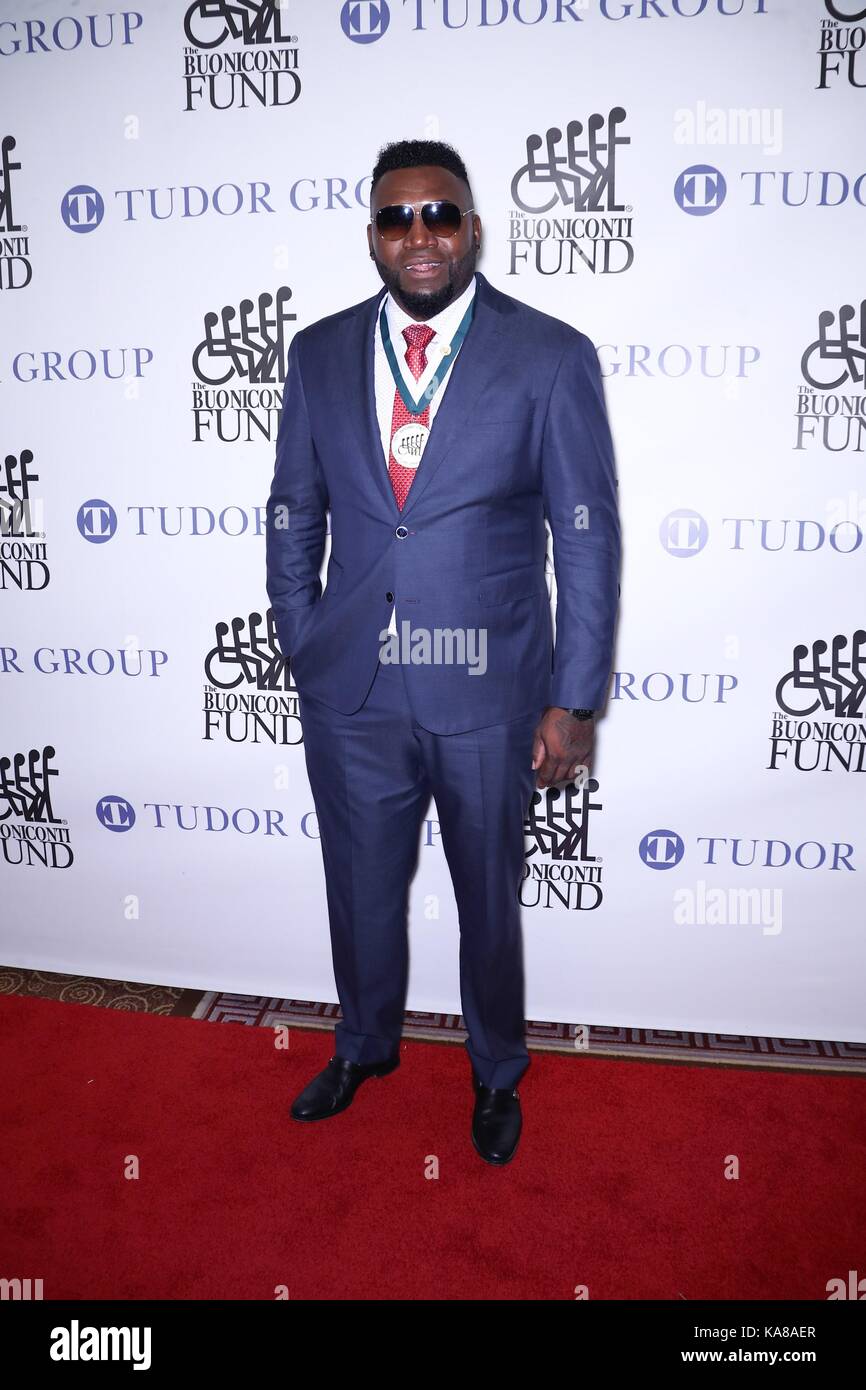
441 422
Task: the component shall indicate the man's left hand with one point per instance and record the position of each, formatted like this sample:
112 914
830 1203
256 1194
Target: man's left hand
563 746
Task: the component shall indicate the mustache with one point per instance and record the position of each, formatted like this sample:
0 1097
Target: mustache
391 275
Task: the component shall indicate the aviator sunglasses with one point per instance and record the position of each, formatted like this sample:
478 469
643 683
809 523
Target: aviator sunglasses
442 218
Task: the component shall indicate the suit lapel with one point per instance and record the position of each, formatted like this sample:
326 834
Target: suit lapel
479 361
367 419
478 365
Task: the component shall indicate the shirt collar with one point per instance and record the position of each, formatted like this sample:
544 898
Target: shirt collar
444 324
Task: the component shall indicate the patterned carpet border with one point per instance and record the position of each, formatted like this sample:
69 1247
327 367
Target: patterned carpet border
128 995
635 1044
261 1011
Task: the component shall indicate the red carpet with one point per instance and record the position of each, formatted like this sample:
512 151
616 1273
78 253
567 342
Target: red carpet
618 1183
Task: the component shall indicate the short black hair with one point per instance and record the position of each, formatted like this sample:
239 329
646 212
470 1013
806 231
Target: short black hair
409 154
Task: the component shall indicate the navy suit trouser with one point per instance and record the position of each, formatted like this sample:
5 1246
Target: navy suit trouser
372 774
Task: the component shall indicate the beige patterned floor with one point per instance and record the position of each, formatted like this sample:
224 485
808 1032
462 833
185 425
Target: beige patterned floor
262 1011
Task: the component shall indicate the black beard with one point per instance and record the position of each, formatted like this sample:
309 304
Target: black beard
425 304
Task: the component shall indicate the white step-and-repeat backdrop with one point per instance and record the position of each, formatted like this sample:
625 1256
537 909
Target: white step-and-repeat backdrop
184 187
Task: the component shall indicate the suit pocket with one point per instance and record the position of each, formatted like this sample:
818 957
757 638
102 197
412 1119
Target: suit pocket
490 422
514 411
304 629
519 583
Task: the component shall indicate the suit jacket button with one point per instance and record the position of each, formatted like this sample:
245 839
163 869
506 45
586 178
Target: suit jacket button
401 532
389 596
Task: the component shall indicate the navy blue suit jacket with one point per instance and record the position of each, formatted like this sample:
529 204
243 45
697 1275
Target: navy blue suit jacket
520 433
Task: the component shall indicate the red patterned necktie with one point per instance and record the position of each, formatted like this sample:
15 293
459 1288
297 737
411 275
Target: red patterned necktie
417 336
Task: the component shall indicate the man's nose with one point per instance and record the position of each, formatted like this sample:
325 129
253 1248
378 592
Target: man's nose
419 236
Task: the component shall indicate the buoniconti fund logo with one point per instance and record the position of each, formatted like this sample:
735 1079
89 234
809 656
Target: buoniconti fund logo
841 44
568 217
819 725
241 54
31 835
249 696
239 368
560 868
23 553
16 271
831 398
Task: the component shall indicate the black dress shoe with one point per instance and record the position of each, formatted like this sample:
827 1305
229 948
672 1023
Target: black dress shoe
334 1088
496 1122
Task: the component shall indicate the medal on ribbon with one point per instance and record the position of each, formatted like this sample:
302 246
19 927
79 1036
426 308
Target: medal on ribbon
409 442
417 407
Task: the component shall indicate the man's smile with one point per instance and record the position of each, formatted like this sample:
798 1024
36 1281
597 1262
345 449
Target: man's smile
420 269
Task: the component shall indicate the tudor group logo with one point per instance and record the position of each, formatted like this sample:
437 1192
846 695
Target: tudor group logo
115 813
364 21
683 533
700 190
665 849
29 37
82 208
831 398
248 695
567 215
96 521
661 849
118 815
675 361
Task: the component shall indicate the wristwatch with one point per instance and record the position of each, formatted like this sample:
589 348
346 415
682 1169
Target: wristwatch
582 713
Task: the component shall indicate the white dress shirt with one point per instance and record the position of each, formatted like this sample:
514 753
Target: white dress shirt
444 327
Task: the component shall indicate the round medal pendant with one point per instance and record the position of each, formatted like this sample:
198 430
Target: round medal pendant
408 443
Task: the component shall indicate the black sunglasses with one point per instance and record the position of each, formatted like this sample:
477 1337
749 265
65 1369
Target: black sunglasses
442 218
